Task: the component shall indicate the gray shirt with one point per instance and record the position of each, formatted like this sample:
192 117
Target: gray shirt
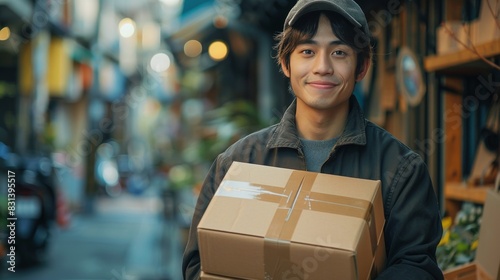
316 152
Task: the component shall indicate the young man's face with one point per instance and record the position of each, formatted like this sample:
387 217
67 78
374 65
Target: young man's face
322 70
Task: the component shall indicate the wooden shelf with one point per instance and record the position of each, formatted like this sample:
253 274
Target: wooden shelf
463 62
461 192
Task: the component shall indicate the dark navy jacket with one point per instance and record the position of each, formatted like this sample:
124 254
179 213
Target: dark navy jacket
364 150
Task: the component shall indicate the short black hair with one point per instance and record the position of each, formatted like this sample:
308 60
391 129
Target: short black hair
307 26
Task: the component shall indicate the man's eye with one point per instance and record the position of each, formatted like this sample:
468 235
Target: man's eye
307 52
339 53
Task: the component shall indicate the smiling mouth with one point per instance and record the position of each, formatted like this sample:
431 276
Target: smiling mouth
322 85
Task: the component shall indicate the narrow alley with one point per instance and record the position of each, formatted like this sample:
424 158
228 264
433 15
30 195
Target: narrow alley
127 237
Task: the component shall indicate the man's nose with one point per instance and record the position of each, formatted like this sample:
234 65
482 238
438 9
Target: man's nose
323 64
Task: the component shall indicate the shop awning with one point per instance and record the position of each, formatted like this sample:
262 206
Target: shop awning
19 10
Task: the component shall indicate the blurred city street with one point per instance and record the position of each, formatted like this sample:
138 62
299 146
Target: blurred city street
113 114
127 237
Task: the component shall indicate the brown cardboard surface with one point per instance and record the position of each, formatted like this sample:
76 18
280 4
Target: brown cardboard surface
488 250
378 264
486 27
465 272
275 221
448 43
207 276
470 271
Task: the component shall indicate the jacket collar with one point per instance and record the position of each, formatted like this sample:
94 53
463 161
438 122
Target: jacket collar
286 134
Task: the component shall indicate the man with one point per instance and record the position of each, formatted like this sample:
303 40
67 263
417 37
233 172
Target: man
324 50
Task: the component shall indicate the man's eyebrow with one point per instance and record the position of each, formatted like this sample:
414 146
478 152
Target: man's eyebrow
313 42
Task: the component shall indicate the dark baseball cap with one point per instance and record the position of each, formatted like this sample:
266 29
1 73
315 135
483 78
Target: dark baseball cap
347 8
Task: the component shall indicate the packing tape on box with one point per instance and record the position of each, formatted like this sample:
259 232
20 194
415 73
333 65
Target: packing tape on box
295 197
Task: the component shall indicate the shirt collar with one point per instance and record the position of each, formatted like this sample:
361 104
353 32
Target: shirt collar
286 134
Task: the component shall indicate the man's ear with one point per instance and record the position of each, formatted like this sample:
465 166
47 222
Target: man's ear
284 68
364 70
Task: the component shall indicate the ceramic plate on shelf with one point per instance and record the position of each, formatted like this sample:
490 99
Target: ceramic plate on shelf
409 76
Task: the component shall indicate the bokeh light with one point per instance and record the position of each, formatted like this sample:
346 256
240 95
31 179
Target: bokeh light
126 27
160 62
192 48
4 33
217 50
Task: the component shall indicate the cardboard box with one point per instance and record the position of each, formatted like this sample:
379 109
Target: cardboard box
486 266
487 25
461 33
485 29
207 276
471 271
275 223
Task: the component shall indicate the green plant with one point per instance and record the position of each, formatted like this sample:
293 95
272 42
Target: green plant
229 122
460 240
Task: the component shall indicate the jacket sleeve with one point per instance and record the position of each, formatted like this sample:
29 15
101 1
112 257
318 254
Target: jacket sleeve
413 223
191 259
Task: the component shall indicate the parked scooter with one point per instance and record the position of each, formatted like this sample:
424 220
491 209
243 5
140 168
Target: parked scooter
35 205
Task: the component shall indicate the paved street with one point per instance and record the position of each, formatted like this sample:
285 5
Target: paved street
126 238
